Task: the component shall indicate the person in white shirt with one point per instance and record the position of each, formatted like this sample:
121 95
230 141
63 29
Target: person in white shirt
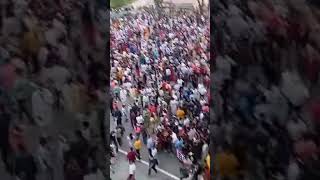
139 119
132 170
205 150
145 100
131 139
123 96
153 161
125 113
174 105
186 122
192 133
174 137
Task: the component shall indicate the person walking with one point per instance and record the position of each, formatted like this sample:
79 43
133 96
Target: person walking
153 161
113 139
119 133
118 116
132 171
131 156
138 145
150 145
133 117
124 113
144 135
130 139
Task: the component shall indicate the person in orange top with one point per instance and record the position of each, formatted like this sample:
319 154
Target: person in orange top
207 168
227 164
138 145
146 33
180 113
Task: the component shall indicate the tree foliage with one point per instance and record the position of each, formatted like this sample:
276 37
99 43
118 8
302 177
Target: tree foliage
201 6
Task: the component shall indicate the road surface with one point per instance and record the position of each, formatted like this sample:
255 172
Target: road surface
121 169
168 162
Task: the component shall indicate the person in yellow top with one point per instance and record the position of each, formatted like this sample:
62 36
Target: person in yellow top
180 113
31 42
146 33
208 161
138 145
30 46
227 164
120 74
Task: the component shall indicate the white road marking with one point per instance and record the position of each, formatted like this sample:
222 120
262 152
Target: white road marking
159 169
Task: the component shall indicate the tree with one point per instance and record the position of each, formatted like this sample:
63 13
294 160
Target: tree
201 5
158 4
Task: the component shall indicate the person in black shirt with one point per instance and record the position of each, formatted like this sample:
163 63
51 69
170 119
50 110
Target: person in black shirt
118 115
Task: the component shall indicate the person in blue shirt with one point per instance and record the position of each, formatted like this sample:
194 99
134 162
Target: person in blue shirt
179 144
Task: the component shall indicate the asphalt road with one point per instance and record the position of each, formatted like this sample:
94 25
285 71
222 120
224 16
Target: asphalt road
121 169
168 162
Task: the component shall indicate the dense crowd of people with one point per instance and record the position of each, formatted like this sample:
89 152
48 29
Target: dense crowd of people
160 78
265 94
52 59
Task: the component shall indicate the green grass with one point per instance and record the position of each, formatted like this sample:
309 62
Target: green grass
119 3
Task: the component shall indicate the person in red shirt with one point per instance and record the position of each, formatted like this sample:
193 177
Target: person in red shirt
131 156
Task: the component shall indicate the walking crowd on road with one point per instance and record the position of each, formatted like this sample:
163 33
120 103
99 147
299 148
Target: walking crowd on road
265 90
52 59
160 77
